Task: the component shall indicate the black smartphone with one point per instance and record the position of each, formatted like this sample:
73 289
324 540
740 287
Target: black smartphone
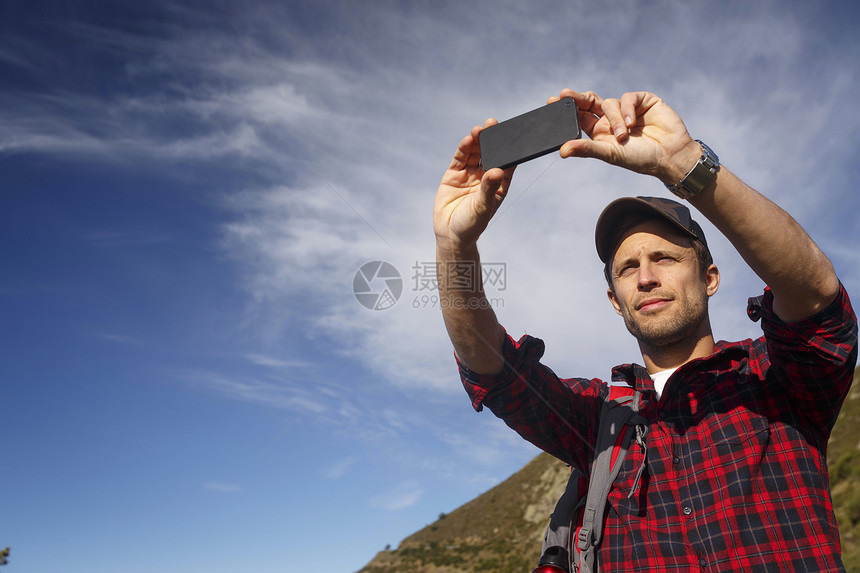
529 135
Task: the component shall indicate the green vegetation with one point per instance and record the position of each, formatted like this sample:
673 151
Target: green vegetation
3 556
501 530
844 466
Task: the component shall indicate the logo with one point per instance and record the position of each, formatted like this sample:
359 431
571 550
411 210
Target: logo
377 285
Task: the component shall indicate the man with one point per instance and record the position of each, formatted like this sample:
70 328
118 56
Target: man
735 475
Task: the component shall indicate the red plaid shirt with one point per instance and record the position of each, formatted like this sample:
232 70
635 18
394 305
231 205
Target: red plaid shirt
736 474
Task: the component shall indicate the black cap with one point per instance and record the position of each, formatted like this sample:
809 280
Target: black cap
609 228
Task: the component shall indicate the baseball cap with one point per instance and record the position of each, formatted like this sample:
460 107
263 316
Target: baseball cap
617 216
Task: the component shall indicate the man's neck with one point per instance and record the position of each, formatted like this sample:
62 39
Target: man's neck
679 353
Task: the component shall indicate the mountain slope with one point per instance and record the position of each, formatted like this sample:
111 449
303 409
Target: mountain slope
501 530
843 462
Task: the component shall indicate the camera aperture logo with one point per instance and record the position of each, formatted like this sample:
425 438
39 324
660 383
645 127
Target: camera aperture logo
377 285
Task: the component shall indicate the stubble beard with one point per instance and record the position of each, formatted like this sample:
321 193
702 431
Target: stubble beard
683 323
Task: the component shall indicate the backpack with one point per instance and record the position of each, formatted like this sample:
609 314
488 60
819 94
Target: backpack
620 424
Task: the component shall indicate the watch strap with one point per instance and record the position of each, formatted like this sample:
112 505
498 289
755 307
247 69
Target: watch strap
700 176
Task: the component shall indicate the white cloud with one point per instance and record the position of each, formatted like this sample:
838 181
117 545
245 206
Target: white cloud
487 442
118 338
339 468
483 481
280 394
272 362
402 496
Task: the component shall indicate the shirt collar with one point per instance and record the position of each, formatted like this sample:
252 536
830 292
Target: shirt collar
637 377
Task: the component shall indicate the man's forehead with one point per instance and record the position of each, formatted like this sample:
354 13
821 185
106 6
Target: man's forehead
652 232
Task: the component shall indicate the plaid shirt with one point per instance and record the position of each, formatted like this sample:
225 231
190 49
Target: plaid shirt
736 474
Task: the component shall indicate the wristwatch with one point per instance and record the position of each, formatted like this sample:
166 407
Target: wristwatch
700 176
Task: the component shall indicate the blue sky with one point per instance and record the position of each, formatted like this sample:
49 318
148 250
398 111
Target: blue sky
187 189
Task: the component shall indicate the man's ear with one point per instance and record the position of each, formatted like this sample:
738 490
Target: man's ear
712 280
614 300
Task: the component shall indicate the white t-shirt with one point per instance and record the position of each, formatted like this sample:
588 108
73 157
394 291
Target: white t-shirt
660 379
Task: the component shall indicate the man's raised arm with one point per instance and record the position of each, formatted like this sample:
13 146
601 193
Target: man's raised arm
773 244
466 200
642 133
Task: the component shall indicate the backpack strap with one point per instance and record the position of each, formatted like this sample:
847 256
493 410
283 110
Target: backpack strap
556 541
619 423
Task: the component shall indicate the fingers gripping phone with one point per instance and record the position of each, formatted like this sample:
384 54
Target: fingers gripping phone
529 135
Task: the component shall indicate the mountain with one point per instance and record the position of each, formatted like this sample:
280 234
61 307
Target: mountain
501 530
843 462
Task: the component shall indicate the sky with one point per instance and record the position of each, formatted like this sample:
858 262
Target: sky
193 193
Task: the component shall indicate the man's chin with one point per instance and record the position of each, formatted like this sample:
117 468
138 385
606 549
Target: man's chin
660 334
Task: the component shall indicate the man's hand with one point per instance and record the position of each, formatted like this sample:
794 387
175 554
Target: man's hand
468 197
639 132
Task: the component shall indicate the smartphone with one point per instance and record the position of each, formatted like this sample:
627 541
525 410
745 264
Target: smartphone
529 135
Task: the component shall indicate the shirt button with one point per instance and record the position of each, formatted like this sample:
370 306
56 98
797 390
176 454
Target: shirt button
687 510
702 562
662 415
676 460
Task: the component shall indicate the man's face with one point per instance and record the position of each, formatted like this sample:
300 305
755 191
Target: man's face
658 287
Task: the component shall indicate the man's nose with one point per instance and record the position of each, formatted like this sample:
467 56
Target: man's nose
647 277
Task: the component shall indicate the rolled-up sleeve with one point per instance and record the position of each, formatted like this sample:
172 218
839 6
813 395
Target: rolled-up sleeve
556 415
517 356
815 357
